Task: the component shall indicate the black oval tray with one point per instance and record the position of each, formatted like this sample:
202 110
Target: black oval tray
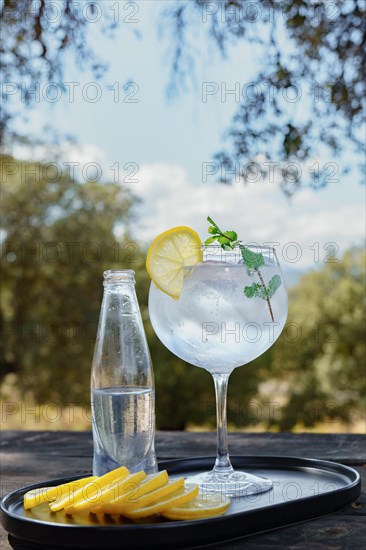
303 489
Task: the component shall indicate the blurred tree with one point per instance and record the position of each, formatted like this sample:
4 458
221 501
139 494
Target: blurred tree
309 89
318 365
36 37
57 237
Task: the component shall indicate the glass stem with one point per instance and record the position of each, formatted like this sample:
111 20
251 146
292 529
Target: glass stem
222 464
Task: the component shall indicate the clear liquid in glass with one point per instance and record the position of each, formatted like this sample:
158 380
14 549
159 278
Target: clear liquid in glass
214 325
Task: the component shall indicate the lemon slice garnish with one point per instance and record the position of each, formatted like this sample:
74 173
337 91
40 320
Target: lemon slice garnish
203 506
169 253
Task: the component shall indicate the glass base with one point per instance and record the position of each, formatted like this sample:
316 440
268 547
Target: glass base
234 483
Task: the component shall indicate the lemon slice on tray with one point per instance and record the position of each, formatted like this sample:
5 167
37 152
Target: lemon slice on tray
151 488
89 490
47 494
169 253
180 496
201 507
119 487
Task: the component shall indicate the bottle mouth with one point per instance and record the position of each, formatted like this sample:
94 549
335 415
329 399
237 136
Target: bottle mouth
118 276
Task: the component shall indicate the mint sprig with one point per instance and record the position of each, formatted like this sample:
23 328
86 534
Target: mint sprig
253 261
228 239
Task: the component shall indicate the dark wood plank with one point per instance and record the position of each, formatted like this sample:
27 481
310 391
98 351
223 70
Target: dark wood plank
325 533
346 448
320 534
4 545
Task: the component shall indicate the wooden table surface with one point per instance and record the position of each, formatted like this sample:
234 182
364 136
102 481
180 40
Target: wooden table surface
30 456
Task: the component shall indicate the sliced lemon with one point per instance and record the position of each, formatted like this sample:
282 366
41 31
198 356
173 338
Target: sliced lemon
47 494
169 253
180 496
106 493
203 506
133 498
37 496
90 490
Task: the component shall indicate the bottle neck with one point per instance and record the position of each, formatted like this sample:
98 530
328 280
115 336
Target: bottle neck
119 294
120 277
121 356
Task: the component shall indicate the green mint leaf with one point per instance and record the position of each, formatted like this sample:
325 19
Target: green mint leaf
210 240
210 220
212 230
225 243
255 290
252 260
273 285
231 235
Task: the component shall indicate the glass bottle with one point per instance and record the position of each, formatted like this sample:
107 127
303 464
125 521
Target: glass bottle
122 382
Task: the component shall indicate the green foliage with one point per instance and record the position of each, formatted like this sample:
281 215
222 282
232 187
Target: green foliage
58 240
312 53
318 362
58 237
36 39
309 88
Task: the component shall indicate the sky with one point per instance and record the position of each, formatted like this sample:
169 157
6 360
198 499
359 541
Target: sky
162 148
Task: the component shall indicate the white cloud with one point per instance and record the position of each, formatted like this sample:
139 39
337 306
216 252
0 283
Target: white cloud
67 151
258 212
82 161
